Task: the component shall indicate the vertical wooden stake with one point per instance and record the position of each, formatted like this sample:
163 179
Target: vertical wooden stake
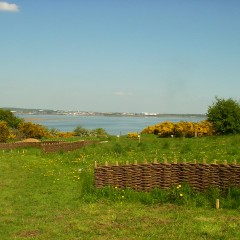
95 164
155 161
127 162
135 162
217 204
106 163
225 162
116 163
235 162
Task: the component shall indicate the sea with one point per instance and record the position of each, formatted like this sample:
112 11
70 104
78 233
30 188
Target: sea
114 125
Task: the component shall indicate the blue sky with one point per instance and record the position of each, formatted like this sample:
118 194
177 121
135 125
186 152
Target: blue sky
163 56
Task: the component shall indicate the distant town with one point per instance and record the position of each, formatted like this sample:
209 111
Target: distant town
90 113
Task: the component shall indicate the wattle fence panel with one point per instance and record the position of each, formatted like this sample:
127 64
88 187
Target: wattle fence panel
147 176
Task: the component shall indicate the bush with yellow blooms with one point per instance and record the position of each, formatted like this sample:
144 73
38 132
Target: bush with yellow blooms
181 129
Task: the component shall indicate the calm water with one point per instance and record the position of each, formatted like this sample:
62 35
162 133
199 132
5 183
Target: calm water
113 125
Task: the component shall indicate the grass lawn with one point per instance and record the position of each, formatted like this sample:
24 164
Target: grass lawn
48 196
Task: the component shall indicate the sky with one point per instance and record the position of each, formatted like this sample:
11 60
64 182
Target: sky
155 56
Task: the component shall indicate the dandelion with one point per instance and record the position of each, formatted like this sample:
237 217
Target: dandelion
181 195
179 186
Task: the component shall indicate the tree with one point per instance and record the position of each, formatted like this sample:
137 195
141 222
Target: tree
11 120
225 116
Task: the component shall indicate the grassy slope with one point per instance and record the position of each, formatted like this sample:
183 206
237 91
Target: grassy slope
41 195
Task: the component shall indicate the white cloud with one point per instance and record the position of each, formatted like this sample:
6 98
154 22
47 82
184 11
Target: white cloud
9 7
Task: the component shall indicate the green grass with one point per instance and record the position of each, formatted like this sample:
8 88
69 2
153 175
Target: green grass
51 196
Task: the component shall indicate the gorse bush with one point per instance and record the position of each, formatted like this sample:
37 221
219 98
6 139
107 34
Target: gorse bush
65 134
133 135
164 129
32 130
4 131
181 129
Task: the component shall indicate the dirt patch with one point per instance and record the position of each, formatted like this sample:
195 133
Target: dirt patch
30 140
29 234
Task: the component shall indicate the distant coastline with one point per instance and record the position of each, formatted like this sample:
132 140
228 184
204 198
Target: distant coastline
90 113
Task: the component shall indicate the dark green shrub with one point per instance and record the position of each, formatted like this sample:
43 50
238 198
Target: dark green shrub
11 120
81 131
99 132
225 116
118 149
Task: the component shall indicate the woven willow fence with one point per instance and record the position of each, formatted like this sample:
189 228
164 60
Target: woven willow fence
147 176
49 146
